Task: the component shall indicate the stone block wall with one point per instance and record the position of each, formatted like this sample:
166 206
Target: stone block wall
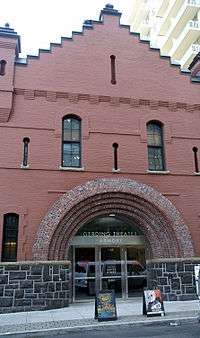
28 286
174 277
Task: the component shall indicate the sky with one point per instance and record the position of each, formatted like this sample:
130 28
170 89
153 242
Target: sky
40 22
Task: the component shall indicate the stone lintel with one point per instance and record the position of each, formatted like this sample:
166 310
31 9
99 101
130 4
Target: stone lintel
35 263
173 260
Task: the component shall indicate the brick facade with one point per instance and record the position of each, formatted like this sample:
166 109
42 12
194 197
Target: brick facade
74 77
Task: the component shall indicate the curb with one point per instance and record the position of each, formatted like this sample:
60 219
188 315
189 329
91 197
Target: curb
100 326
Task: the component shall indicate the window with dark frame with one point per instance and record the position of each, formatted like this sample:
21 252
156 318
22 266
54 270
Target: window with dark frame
115 155
155 146
10 237
26 141
196 163
113 69
71 142
3 67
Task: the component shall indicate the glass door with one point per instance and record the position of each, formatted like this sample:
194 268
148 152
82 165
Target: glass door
84 268
111 270
117 268
135 270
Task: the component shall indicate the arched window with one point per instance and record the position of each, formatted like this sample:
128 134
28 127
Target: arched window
155 146
71 141
10 236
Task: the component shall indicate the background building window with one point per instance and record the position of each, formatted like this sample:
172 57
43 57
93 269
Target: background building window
155 146
10 236
71 141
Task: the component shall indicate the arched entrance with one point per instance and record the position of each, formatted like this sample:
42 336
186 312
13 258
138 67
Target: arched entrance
166 235
157 217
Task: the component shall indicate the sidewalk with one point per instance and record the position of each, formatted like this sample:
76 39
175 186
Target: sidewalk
81 315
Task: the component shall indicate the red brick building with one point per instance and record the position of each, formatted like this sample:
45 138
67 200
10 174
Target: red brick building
99 158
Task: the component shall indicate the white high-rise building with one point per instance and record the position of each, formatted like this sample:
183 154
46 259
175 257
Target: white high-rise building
173 26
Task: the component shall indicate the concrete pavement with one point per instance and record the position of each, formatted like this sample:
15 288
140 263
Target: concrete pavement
81 315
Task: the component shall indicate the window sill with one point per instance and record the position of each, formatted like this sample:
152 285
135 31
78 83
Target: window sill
24 166
197 174
116 170
71 168
164 172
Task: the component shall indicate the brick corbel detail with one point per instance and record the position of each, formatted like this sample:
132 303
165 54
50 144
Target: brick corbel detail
51 96
154 105
29 94
193 107
73 97
134 102
93 99
173 106
114 101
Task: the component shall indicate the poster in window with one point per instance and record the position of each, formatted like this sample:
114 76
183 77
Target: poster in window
153 303
105 306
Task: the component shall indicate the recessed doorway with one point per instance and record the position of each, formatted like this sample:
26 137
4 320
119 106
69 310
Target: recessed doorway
108 253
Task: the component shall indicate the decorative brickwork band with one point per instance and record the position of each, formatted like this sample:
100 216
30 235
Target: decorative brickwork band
165 233
133 102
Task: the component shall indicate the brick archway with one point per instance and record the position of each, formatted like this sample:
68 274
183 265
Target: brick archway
163 227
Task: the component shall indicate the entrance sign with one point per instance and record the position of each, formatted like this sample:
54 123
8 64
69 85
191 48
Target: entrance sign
105 306
89 240
153 303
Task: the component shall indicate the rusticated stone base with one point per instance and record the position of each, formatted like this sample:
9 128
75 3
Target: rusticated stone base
174 277
28 286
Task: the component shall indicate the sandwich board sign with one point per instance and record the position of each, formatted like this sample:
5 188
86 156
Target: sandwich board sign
105 306
153 303
197 279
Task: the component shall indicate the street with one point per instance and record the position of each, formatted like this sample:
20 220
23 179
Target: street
164 331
